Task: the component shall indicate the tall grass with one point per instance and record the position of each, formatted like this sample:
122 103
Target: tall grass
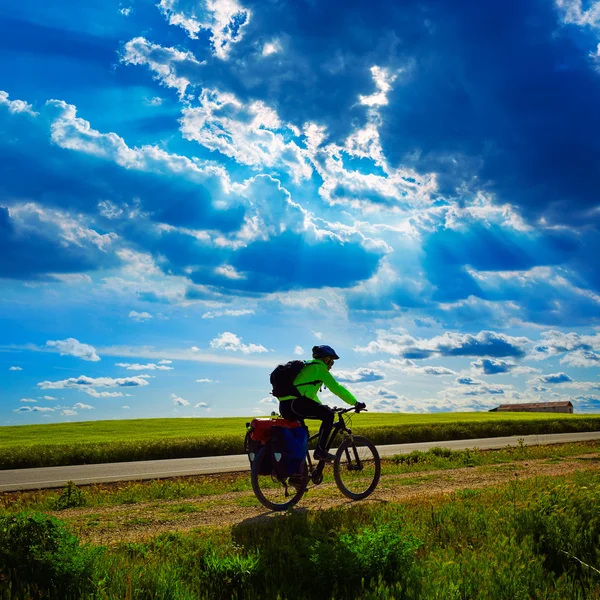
49 451
532 539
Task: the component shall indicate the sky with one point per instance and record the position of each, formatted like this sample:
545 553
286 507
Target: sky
194 191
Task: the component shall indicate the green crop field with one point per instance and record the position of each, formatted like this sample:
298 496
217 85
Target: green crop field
147 439
160 429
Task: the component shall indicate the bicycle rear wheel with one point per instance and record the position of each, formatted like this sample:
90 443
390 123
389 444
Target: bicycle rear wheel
357 468
272 491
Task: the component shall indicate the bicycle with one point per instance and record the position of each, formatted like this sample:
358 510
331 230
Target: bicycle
356 469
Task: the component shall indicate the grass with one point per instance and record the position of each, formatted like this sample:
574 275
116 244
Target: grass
417 463
533 539
146 439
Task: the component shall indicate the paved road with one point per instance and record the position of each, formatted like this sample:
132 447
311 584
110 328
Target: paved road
54 477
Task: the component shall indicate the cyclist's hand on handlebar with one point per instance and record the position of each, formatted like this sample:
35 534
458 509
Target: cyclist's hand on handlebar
360 406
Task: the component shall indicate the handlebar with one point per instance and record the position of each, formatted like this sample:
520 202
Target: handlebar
342 411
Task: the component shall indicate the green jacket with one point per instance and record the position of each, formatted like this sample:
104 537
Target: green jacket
316 371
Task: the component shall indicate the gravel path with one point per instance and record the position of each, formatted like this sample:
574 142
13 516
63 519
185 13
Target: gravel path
111 525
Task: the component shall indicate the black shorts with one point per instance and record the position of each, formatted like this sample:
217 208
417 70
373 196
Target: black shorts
305 408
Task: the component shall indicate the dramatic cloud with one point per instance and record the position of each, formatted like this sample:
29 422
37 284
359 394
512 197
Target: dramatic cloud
231 342
173 68
485 343
411 368
224 19
72 347
83 381
363 374
552 378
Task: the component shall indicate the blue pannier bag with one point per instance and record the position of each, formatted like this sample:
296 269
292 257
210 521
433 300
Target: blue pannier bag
289 447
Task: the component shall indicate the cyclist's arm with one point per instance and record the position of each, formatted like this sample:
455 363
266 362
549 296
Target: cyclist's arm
339 390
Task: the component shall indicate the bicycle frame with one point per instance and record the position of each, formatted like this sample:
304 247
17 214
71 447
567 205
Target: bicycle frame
316 472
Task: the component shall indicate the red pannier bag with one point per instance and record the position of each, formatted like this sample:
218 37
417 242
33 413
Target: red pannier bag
261 428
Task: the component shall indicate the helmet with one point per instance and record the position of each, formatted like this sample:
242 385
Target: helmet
323 352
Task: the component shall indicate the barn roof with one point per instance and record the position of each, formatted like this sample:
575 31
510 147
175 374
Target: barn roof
535 405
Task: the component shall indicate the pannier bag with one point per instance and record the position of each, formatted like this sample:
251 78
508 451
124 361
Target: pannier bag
251 447
288 447
259 433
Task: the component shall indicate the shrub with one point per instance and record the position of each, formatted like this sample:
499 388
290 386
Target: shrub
71 497
40 558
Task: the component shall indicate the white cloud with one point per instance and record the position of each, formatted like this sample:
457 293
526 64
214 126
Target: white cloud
139 316
227 313
27 400
551 378
485 343
22 409
179 401
359 375
126 11
225 19
82 406
206 381
554 343
72 347
146 367
83 381
230 341
125 407
201 405
269 400
168 64
574 13
383 82
252 134
229 272
156 101
15 369
582 358
16 106
49 398
164 362
298 350
96 394
382 399
68 413
42 409
411 368
318 334
272 47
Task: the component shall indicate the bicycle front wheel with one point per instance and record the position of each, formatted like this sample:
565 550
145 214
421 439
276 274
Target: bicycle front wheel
357 468
272 491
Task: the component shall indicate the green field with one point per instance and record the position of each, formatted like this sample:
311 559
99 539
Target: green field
146 439
156 429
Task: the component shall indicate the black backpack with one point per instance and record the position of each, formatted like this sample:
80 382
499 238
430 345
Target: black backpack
282 379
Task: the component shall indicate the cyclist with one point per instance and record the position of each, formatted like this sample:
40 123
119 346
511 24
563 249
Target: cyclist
306 405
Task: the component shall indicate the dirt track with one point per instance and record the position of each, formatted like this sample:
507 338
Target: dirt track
110 525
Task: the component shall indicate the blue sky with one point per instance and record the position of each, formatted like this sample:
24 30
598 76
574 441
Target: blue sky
194 191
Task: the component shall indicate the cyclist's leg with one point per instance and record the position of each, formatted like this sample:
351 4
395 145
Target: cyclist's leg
309 409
